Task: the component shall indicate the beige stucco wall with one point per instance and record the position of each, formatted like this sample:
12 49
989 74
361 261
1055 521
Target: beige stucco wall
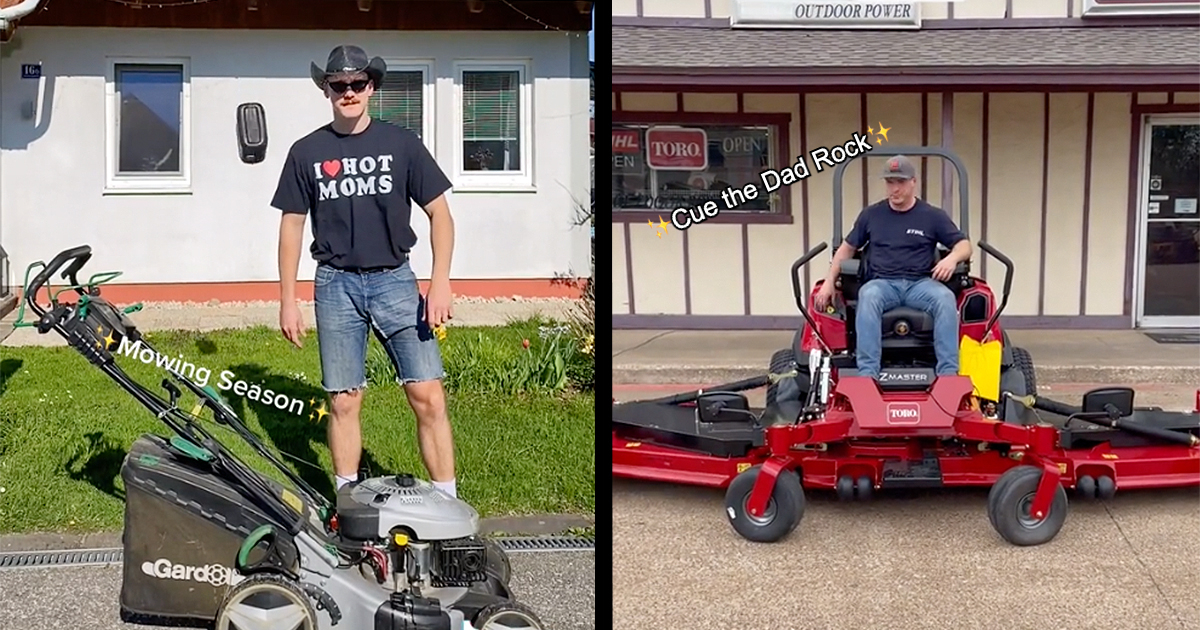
1014 191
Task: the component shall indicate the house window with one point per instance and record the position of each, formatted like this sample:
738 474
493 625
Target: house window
663 166
404 99
148 126
494 129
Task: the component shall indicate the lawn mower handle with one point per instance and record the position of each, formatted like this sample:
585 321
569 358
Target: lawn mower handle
78 257
799 292
1008 272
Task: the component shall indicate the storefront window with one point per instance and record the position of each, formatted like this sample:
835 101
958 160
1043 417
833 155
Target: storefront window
662 166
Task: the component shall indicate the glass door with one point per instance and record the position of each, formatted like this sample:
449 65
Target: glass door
1169 252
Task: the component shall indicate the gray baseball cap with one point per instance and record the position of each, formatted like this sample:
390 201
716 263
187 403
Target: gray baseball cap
899 167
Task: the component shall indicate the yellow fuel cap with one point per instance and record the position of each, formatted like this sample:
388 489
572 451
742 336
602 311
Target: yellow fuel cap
401 539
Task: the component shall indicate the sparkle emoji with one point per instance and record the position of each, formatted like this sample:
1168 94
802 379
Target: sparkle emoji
883 131
661 227
317 414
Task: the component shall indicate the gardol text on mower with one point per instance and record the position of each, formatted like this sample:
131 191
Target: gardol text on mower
772 180
200 376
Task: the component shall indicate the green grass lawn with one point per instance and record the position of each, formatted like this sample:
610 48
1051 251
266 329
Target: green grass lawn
65 427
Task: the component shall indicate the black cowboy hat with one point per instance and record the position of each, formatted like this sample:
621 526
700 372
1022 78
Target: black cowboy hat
349 59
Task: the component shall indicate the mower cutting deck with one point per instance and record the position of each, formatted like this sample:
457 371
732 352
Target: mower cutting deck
826 428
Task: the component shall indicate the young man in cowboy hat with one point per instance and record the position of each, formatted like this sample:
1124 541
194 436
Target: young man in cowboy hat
357 176
903 269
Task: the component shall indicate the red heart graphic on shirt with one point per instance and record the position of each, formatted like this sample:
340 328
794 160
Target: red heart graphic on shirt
331 167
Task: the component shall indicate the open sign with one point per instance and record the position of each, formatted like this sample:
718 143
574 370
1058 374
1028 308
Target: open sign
677 149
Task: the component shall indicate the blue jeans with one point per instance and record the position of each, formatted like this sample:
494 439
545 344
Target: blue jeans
929 295
388 303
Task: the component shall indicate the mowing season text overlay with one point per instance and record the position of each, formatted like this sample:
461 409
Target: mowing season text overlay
200 376
772 180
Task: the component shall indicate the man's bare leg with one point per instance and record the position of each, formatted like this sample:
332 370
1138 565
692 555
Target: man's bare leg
345 433
428 402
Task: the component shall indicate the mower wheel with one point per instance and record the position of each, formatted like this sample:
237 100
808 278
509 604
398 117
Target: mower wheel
266 601
497 561
997 488
865 488
1085 487
1023 361
845 488
793 389
505 615
785 508
1009 507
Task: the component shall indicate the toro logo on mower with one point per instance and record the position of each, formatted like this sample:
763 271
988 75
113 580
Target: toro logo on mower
903 413
214 574
677 149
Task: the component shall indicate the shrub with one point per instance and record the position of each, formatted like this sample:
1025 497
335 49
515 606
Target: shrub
531 356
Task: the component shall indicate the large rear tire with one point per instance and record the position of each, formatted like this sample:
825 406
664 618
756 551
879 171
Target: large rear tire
266 602
1020 379
789 389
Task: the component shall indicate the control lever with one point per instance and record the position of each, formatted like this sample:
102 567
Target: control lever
171 389
48 321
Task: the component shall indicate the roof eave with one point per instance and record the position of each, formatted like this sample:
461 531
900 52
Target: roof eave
959 77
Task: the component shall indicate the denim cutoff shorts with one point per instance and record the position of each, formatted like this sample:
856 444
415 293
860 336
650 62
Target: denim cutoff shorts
389 302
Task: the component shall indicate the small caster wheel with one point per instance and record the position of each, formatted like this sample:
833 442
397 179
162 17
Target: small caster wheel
784 510
1010 504
864 488
1085 487
1105 487
997 488
845 488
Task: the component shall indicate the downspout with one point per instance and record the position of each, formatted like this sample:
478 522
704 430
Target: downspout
16 12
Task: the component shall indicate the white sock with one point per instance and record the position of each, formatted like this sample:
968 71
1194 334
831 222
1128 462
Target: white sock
342 481
447 487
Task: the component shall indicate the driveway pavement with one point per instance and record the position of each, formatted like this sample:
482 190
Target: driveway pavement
914 560
560 586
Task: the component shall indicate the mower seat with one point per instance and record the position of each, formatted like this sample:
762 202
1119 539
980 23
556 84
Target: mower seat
906 327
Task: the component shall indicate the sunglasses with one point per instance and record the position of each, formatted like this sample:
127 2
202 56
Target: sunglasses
340 87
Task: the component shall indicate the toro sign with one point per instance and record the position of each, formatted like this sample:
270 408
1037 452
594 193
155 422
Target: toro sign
677 149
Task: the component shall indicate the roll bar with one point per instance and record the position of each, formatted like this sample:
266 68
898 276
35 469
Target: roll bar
908 151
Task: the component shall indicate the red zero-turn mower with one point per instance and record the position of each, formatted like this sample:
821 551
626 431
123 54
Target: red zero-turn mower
824 427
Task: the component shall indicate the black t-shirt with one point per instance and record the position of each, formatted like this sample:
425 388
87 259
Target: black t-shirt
903 244
358 188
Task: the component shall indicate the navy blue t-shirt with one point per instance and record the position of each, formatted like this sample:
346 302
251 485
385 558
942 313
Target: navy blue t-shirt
903 244
358 188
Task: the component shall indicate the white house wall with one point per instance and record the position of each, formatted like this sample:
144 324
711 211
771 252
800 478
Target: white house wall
225 230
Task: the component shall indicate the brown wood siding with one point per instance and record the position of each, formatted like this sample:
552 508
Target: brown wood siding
313 14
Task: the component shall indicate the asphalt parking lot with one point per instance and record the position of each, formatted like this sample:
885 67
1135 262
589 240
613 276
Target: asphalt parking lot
918 560
560 586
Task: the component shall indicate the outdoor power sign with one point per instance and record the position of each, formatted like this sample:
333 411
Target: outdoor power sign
825 14
676 149
1140 7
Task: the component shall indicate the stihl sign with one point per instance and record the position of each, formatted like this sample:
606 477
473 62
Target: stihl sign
677 149
625 141
903 413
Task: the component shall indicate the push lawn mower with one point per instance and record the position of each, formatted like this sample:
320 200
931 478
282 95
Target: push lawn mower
211 543
825 427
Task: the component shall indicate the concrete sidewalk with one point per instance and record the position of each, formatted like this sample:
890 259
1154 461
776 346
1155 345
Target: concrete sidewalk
1059 356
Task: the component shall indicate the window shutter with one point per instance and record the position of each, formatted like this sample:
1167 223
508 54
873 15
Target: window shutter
401 100
490 108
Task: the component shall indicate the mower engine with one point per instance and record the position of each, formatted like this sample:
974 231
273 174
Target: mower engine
435 547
